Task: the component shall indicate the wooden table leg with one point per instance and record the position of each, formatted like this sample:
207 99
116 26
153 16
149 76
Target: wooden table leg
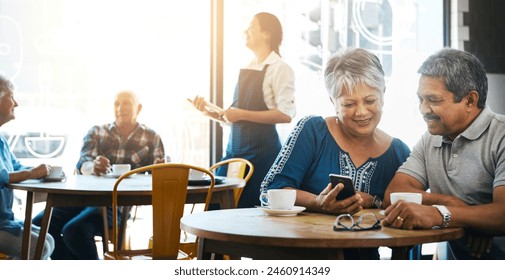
27 231
125 214
201 254
226 199
48 211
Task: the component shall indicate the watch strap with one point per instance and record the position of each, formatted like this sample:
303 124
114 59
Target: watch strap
376 202
446 216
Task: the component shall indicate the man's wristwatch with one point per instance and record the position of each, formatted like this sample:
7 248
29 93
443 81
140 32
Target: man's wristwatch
376 202
446 216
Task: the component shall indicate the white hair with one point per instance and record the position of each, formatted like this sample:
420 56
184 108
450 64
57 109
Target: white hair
5 85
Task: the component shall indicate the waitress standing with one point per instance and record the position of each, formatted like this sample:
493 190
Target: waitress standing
264 96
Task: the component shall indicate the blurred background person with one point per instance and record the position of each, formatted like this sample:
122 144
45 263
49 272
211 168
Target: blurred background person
124 141
11 171
264 96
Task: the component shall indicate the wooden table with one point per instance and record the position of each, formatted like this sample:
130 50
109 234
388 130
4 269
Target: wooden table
252 233
89 190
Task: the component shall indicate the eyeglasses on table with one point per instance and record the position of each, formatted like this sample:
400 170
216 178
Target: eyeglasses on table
346 222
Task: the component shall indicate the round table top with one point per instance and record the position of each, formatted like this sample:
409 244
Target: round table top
254 226
90 184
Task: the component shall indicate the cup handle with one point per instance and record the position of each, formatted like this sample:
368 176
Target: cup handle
263 199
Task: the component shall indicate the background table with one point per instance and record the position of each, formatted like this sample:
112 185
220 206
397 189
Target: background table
252 233
90 190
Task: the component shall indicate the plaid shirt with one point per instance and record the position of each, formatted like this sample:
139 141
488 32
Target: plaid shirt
141 147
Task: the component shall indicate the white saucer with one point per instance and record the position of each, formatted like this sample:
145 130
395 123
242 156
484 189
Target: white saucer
110 175
278 212
57 179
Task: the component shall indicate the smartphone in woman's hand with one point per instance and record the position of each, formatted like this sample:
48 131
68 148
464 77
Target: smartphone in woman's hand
348 189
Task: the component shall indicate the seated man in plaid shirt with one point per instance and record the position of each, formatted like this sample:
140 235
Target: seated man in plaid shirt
123 141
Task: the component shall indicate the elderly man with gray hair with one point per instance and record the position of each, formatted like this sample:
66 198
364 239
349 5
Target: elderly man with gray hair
124 141
460 159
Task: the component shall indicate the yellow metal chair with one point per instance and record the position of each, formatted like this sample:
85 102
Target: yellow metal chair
4 256
169 190
237 168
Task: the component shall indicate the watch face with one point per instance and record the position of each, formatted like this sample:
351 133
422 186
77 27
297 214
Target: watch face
378 203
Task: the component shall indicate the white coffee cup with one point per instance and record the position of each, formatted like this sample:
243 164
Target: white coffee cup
168 159
56 172
281 199
195 174
120 169
406 196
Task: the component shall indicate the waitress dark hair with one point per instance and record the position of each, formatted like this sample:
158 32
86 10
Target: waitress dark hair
271 24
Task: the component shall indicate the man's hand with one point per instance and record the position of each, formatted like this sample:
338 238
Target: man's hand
101 165
478 243
410 215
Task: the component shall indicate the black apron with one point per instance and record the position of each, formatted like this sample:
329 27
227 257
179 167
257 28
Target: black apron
258 143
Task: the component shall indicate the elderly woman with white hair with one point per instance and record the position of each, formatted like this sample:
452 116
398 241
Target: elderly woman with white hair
348 143
12 171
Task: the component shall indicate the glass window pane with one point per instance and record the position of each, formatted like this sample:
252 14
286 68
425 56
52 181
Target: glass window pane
401 32
68 59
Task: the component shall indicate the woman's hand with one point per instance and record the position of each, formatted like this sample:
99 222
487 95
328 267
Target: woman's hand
199 103
367 199
326 201
232 115
40 171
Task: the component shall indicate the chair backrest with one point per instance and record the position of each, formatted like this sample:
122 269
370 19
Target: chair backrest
237 168
169 190
3 256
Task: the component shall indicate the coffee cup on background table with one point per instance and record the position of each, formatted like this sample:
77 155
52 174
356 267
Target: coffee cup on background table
406 196
195 175
56 172
281 199
120 169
